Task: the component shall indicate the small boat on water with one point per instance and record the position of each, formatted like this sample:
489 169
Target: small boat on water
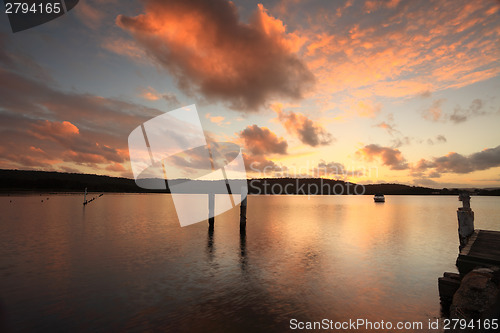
379 197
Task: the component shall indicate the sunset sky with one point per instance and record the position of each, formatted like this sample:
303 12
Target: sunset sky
361 90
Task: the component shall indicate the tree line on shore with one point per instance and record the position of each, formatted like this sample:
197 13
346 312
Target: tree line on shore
46 181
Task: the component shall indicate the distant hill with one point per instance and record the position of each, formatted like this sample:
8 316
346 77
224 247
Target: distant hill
322 186
21 180
45 181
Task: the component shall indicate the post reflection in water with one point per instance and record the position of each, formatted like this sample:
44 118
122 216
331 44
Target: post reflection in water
243 249
210 243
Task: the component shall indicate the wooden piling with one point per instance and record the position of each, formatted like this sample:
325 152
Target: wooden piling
85 197
465 220
211 209
243 207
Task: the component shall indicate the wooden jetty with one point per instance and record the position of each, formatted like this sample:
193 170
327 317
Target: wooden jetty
482 250
478 248
474 292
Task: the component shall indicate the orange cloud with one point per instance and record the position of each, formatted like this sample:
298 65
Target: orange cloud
309 132
54 130
404 52
85 132
365 108
81 157
150 94
390 128
205 46
125 47
261 140
373 5
390 157
37 150
89 14
219 120
116 167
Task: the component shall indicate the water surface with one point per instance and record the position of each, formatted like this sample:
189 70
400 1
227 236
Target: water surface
124 263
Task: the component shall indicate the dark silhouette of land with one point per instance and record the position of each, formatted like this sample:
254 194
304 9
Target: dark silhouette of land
45 181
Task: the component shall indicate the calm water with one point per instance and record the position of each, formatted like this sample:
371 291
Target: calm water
123 263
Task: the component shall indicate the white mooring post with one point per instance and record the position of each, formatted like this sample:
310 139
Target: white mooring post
85 197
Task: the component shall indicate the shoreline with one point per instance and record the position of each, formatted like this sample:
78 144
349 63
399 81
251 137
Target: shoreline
4 193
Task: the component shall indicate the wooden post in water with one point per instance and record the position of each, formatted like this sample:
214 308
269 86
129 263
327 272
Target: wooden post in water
85 197
211 209
465 220
243 208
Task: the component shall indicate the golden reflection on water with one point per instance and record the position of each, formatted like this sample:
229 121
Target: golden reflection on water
123 261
